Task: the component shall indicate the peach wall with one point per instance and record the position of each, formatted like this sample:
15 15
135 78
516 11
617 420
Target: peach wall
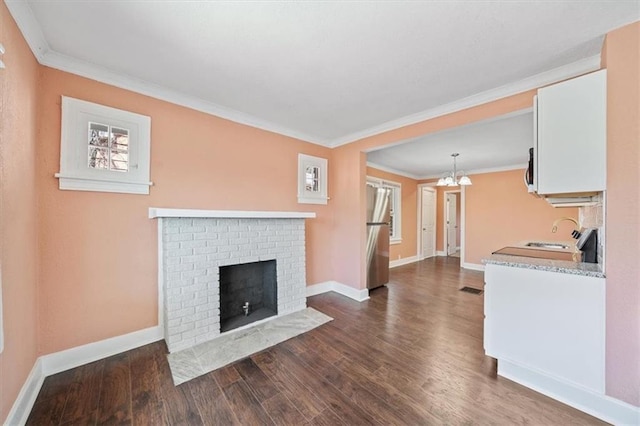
622 57
99 250
352 175
499 211
348 198
95 284
18 214
408 247
623 298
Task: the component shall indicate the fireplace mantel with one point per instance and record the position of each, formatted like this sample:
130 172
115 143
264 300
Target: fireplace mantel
155 212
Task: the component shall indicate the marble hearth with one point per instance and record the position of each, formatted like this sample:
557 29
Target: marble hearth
194 244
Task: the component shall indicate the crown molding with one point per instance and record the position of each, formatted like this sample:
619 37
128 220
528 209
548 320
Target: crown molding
539 80
471 172
30 28
520 166
28 25
103 75
436 176
392 170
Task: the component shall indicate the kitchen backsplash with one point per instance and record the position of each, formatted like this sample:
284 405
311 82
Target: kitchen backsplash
593 217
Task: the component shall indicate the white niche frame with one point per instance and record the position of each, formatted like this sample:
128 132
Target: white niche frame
74 172
316 192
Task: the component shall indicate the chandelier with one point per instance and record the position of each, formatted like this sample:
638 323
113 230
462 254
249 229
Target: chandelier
451 178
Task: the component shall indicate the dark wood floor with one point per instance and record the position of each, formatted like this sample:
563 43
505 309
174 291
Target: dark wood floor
410 355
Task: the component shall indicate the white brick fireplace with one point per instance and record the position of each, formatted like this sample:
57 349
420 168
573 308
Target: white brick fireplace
194 244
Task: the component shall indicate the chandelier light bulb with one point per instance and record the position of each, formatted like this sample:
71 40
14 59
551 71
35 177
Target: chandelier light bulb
451 178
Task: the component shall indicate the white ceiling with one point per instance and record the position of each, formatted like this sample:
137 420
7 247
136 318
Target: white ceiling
326 71
501 143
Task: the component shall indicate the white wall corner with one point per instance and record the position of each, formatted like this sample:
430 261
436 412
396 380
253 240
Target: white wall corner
441 253
473 266
359 295
404 261
319 288
23 404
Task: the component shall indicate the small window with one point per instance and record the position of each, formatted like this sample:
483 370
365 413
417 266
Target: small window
103 148
395 202
312 180
108 148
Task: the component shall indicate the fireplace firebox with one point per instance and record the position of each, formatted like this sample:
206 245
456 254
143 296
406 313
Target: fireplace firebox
248 293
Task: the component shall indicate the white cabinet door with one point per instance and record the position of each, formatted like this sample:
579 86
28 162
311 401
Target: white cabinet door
549 322
571 145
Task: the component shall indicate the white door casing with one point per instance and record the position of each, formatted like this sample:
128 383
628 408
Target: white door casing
428 222
452 223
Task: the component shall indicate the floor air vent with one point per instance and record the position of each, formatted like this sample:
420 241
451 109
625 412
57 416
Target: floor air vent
471 290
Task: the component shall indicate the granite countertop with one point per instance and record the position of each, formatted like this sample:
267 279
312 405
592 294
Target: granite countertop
561 266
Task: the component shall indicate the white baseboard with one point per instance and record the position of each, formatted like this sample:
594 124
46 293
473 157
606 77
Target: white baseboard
56 362
80 355
441 253
405 261
345 290
27 397
473 266
604 407
319 288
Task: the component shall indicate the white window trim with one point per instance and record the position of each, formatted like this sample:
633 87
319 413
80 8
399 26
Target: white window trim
312 197
397 203
75 174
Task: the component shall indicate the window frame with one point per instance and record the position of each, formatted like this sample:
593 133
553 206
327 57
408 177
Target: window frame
395 206
312 197
75 173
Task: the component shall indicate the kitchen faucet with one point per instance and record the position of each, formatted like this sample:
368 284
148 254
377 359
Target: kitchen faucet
575 233
557 222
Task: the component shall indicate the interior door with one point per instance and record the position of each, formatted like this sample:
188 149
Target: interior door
452 224
428 223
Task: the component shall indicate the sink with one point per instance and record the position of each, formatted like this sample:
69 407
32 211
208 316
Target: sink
557 246
537 252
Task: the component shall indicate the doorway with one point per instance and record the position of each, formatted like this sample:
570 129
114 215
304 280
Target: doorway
452 223
427 223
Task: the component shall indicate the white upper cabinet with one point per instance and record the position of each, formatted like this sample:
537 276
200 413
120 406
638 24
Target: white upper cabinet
572 135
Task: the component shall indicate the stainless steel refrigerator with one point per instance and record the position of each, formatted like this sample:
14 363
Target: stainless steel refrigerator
378 216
